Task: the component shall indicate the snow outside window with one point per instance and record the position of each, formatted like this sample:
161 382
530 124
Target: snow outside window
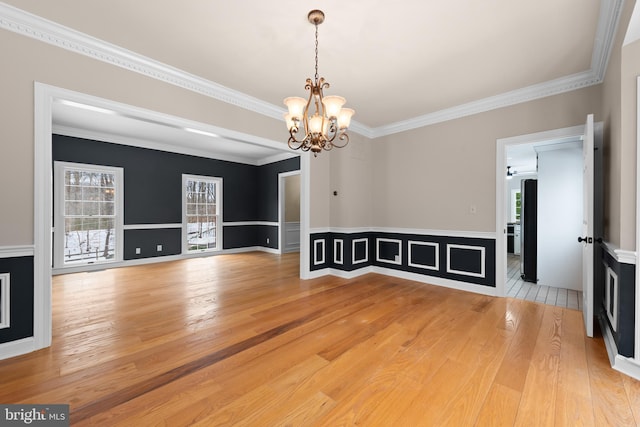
202 213
88 214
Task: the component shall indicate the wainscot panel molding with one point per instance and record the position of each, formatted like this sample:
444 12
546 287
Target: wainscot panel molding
456 260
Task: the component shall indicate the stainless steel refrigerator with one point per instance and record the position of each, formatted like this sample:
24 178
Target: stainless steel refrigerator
529 230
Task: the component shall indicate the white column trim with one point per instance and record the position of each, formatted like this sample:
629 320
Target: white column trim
636 350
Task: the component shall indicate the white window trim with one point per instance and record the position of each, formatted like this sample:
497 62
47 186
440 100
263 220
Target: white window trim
219 222
58 237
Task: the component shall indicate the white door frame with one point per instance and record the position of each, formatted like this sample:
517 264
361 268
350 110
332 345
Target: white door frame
44 97
569 133
637 267
281 208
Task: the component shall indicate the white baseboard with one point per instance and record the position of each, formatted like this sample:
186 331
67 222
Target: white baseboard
438 281
430 280
17 348
153 260
625 365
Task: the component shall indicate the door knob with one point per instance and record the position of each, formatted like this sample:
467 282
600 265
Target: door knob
582 239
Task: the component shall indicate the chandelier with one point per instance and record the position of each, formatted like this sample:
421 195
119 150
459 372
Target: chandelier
319 122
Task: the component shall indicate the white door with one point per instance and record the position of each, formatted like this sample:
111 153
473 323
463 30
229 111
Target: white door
587 237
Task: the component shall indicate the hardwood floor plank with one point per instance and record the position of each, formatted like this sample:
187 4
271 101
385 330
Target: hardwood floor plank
240 339
540 388
632 387
514 367
500 407
264 403
573 405
611 406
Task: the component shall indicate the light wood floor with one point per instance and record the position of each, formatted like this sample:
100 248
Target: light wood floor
240 340
518 288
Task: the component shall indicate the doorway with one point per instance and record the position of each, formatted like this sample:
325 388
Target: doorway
45 98
289 211
523 154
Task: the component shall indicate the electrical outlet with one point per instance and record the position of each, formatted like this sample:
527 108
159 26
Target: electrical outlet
267 240
159 248
137 251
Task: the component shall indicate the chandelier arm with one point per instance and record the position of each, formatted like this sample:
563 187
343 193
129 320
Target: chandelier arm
293 139
344 136
332 132
294 144
305 116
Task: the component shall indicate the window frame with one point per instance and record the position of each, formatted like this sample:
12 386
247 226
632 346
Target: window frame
60 168
218 181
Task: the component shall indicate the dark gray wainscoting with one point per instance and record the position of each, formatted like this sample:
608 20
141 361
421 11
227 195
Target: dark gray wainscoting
463 259
618 309
20 274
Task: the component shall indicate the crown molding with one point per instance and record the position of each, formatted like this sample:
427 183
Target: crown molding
530 93
27 24
30 25
610 11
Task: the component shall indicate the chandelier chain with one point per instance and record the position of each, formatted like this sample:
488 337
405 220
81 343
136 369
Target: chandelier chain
316 53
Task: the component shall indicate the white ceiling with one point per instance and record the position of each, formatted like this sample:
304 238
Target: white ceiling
393 61
150 130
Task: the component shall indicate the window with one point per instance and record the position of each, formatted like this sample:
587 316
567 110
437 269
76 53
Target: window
202 213
516 205
88 214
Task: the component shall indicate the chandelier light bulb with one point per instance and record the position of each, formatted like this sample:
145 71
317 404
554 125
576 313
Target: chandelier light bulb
296 106
344 119
332 105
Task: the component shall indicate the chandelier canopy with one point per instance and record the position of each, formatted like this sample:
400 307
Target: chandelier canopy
320 122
